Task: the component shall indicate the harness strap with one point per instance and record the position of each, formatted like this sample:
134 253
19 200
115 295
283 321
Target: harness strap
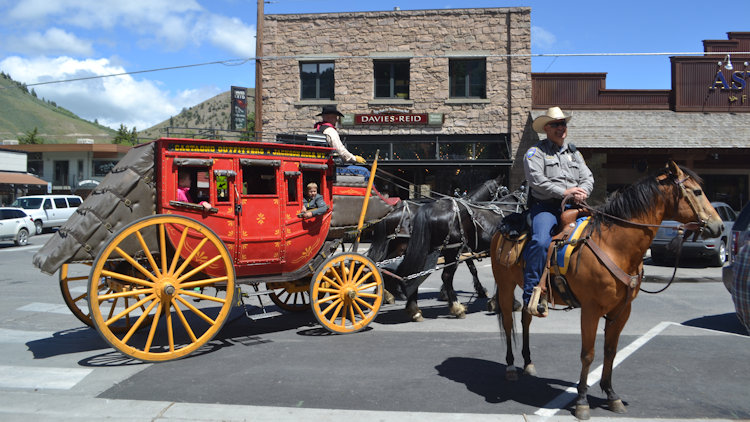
631 281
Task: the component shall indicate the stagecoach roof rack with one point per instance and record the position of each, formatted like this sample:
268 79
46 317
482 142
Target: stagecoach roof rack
315 139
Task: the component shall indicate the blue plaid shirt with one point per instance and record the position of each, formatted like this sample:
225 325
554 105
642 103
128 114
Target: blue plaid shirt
741 285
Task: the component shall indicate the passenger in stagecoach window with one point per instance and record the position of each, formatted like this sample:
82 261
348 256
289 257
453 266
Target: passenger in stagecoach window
330 117
183 190
314 203
554 170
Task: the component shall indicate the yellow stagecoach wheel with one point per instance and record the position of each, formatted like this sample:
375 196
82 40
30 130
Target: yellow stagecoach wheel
74 288
346 293
74 280
180 282
293 297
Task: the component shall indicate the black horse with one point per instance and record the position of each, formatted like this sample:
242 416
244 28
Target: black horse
448 227
390 236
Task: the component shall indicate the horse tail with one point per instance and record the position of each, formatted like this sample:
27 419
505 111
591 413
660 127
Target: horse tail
499 271
419 244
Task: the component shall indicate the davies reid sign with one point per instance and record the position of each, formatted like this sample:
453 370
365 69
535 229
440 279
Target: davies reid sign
391 119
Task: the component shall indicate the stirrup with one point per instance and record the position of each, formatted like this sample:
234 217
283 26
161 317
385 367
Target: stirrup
537 304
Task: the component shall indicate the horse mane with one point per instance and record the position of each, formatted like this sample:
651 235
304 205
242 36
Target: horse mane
635 200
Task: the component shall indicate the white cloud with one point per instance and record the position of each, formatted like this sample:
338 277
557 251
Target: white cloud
112 101
172 25
541 38
54 40
228 34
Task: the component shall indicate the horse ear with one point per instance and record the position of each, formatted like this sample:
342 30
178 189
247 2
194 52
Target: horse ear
674 169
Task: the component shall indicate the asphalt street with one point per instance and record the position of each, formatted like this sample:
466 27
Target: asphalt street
682 356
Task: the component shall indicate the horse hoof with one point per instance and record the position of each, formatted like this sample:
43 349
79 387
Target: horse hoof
388 298
491 306
530 369
583 412
417 317
511 374
617 406
458 310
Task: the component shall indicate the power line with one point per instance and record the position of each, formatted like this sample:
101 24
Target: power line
239 62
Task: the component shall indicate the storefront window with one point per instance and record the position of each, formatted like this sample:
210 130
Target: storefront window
316 80
391 79
468 78
368 150
414 150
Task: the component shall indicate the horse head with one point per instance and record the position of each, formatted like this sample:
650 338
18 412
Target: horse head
691 207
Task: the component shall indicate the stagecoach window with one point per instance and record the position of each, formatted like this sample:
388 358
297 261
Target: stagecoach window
291 187
258 180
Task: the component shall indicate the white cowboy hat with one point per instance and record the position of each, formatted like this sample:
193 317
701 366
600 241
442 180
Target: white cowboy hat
553 113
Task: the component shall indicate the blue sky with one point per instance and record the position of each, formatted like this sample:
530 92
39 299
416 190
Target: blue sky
46 40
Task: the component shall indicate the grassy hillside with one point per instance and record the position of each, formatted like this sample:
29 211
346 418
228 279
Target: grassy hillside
22 112
212 114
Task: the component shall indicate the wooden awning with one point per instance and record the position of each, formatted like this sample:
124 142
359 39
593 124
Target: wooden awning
10 178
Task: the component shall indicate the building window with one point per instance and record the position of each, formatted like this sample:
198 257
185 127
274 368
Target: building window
468 78
391 79
317 80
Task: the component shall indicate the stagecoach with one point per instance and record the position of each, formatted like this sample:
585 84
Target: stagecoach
158 277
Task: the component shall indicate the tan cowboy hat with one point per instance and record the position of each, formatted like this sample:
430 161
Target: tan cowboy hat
553 113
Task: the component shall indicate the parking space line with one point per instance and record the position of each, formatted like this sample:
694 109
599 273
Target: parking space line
570 394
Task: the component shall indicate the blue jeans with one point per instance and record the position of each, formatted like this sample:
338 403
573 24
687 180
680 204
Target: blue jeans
353 170
543 221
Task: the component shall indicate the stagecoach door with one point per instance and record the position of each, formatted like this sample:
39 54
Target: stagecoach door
259 232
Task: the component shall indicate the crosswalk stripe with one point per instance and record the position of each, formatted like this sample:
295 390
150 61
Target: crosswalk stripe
35 377
45 307
8 336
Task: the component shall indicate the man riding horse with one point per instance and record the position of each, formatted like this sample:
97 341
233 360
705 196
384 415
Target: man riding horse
554 170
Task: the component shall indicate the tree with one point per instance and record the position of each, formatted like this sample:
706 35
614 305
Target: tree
31 137
123 136
134 136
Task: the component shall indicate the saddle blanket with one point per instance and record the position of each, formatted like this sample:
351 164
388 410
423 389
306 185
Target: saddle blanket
563 254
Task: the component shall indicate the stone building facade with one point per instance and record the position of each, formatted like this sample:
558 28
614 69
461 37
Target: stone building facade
489 125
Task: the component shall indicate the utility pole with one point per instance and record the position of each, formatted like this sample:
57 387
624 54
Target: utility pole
259 74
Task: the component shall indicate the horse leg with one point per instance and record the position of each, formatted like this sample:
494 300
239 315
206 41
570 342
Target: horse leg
589 323
456 308
481 291
612 330
412 309
505 319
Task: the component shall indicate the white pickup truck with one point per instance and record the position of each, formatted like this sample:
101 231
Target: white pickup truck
48 211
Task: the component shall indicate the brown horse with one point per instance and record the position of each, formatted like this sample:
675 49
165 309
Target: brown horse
623 229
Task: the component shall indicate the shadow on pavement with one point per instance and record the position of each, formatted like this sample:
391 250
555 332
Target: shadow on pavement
728 323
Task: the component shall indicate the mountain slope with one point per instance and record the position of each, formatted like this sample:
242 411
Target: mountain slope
22 112
212 114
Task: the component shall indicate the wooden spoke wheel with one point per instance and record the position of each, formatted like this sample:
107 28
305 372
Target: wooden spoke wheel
346 293
293 297
179 284
74 281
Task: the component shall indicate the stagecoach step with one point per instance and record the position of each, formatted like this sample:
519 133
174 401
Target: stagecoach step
264 315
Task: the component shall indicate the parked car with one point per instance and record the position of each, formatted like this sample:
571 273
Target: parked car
48 211
739 236
16 225
663 250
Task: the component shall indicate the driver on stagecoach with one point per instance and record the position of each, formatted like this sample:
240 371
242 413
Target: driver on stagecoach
330 117
554 169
